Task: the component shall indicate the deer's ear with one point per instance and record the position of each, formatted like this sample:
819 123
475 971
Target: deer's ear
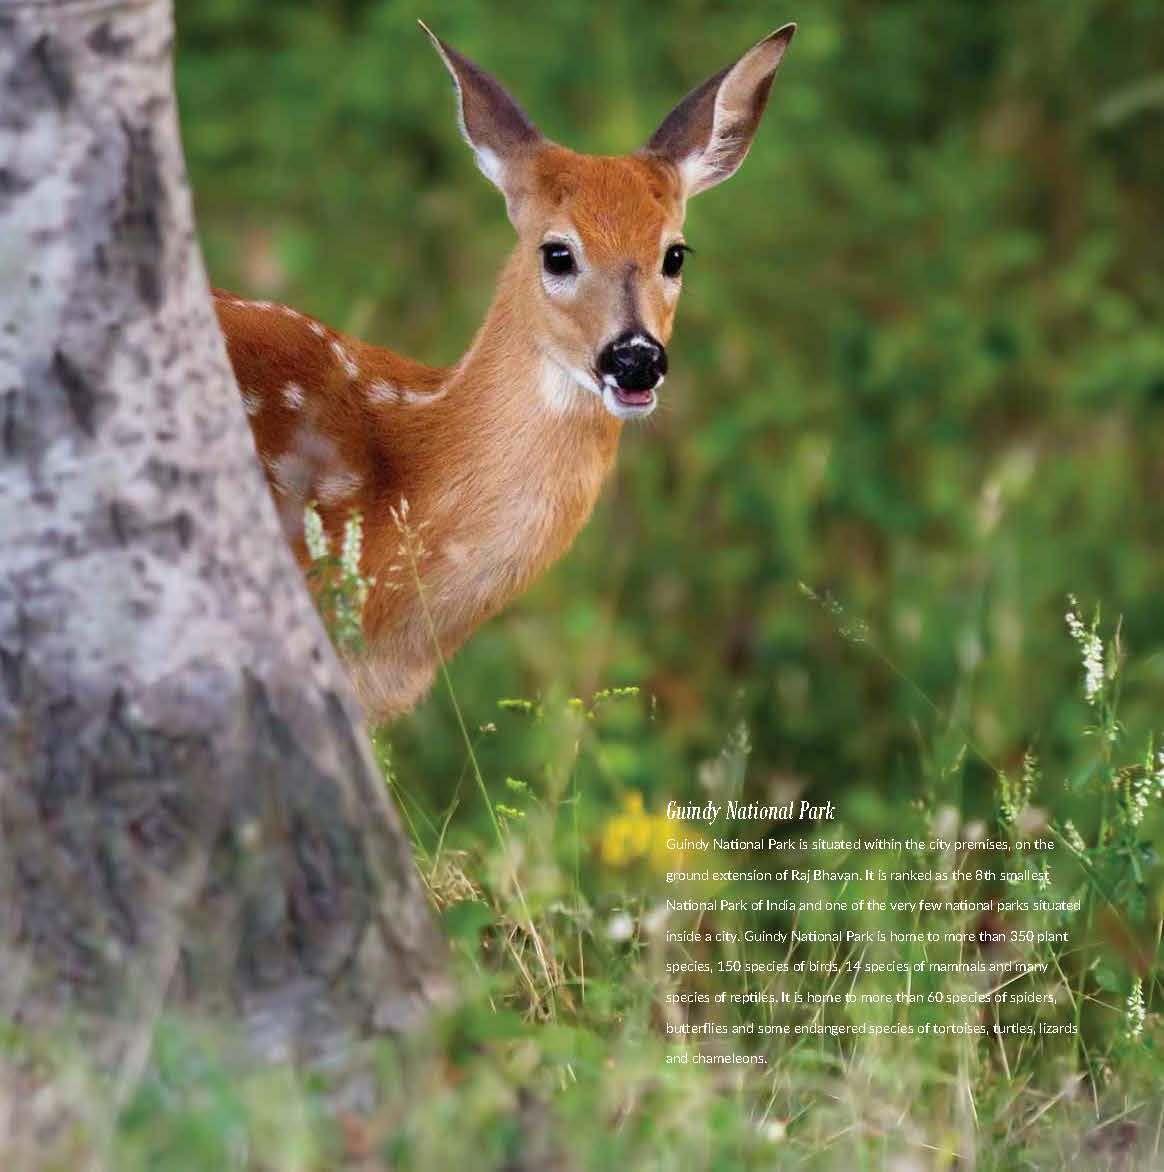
708 134
493 124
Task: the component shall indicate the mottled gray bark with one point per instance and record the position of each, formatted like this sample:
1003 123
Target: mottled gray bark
189 812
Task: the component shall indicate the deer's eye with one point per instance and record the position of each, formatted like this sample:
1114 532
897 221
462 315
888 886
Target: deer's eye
557 259
673 259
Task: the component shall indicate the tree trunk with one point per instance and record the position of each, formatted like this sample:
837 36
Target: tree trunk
189 812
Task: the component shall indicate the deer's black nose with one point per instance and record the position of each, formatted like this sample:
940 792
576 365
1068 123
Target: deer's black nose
635 361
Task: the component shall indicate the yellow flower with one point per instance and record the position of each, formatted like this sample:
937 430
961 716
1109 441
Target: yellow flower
634 836
625 835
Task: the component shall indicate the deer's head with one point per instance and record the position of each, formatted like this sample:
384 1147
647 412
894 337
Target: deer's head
598 268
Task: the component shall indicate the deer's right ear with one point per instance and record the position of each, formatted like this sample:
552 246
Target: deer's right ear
493 124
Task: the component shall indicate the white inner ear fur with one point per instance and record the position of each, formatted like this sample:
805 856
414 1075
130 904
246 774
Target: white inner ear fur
491 166
721 156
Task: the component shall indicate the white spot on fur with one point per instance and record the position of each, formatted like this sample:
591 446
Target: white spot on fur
380 390
291 474
317 329
252 402
293 396
316 448
293 471
422 398
383 392
344 357
338 486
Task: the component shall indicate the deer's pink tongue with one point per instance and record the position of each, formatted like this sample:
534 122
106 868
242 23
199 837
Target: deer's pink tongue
634 398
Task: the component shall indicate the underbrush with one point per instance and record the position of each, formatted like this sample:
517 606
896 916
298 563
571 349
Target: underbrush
587 1021
616 1014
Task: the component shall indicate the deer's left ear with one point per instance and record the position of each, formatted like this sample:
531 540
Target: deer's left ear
493 124
708 134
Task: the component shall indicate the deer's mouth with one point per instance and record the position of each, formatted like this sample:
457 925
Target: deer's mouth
635 397
629 402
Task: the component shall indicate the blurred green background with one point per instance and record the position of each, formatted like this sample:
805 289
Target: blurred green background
919 362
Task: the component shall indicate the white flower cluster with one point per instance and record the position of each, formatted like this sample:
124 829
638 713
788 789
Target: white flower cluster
352 548
1139 790
313 534
1014 796
1074 838
352 588
1145 786
1091 648
1135 1013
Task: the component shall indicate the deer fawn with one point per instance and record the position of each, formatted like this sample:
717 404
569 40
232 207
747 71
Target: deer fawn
472 479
